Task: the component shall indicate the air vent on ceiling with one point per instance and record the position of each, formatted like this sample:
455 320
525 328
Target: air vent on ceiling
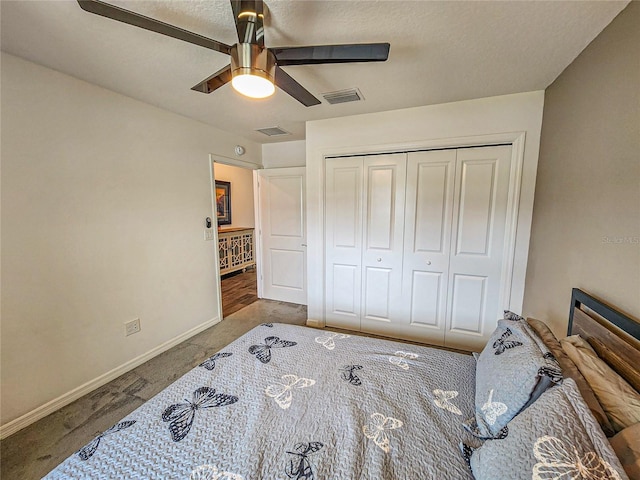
273 131
343 96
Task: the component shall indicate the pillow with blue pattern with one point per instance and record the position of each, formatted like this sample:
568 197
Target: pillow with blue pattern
512 371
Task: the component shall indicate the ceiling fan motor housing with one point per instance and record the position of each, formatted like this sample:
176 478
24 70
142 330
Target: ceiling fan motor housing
250 59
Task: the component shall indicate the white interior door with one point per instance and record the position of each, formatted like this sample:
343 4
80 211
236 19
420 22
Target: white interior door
477 245
282 234
382 242
343 242
427 239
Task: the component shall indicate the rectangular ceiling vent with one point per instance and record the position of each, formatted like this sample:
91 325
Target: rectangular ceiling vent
343 96
273 131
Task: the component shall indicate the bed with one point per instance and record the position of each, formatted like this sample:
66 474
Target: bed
286 402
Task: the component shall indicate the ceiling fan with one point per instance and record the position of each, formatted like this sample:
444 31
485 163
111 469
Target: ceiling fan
255 70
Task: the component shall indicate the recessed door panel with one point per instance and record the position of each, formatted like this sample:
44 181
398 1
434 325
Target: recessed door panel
432 198
380 211
377 293
468 302
344 294
285 265
426 291
345 200
477 194
285 197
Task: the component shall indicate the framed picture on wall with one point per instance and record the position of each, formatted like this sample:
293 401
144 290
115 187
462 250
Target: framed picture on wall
223 202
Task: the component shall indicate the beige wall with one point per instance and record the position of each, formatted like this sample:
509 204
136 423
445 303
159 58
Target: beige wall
586 219
241 193
103 207
284 154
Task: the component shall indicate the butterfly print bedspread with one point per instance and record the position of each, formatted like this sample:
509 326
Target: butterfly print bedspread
289 402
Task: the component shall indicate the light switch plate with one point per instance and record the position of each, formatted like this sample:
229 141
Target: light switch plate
208 233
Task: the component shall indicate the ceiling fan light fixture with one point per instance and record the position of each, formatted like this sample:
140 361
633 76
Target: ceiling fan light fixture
253 86
253 70
250 14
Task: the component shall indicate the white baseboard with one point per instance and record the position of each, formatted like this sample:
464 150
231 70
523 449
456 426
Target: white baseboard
311 322
42 411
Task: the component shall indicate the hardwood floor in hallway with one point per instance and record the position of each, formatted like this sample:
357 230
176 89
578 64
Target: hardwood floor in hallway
238 290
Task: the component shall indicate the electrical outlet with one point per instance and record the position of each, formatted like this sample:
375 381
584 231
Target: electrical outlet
132 327
208 233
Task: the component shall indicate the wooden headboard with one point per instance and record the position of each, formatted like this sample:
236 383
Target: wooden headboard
612 334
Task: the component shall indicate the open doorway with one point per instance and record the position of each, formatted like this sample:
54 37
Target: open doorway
234 208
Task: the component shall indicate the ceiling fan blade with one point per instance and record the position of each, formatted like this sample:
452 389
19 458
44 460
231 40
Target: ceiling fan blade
215 81
137 20
314 55
249 18
293 88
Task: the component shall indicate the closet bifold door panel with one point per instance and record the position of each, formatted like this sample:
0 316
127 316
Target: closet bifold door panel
364 198
343 242
427 239
382 242
477 245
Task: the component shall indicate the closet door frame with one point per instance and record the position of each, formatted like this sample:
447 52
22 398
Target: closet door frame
316 238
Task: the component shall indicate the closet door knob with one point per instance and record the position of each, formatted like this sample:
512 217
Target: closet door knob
379 259
428 262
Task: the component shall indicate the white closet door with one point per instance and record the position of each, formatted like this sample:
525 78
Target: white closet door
343 242
427 239
283 234
382 242
477 245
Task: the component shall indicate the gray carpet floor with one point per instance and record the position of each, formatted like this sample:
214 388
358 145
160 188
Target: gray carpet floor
37 449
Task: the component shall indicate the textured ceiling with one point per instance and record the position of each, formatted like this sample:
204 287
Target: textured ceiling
440 52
